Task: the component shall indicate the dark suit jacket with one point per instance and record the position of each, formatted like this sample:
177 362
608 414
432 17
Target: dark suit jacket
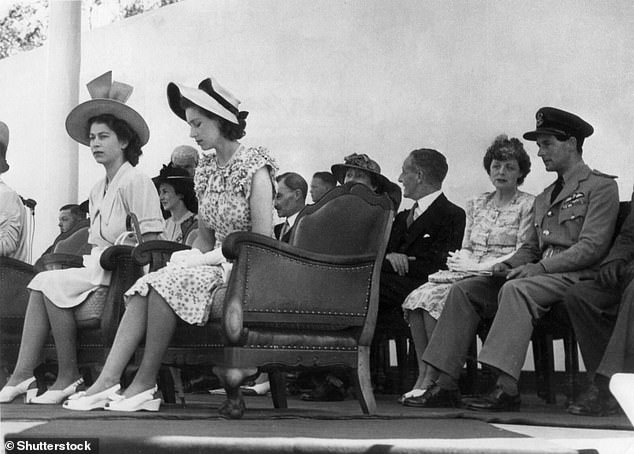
623 247
430 238
278 229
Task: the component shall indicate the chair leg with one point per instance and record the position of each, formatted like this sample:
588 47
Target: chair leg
278 388
177 379
549 371
166 385
401 359
572 366
538 357
472 368
362 382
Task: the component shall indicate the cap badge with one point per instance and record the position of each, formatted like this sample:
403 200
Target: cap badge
540 119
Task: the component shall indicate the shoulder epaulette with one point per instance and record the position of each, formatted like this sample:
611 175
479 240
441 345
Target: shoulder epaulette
601 174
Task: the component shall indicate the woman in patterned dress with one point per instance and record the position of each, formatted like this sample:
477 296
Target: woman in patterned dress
115 134
234 186
178 201
497 224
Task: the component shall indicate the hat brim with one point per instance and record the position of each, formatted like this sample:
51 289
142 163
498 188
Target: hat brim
532 135
157 180
339 171
77 119
176 92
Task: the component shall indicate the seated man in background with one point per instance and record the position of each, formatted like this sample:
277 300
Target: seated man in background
422 236
13 215
321 183
290 199
185 157
73 228
574 221
602 315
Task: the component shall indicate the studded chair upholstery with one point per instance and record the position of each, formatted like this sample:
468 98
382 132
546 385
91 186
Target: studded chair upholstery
311 303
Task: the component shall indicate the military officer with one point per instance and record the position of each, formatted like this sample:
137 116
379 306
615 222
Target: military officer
574 220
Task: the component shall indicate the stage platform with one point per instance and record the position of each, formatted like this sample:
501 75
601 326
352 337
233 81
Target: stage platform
324 427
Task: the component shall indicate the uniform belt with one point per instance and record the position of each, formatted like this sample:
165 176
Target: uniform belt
552 250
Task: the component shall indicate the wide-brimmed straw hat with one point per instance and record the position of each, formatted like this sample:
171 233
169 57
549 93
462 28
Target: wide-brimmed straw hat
108 97
4 144
210 96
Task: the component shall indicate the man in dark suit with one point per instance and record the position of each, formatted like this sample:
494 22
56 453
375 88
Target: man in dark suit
422 236
290 199
602 314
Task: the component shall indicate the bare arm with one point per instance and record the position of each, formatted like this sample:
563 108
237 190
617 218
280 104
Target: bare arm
261 203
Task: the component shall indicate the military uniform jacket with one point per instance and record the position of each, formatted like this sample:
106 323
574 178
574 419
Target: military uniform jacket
575 231
623 247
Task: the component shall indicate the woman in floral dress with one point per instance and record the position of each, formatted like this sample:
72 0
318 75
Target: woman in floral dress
234 186
497 224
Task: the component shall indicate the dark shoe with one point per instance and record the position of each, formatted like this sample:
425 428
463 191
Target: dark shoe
594 402
497 400
326 391
435 397
232 409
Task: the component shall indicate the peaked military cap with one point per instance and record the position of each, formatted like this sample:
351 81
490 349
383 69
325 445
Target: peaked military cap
559 123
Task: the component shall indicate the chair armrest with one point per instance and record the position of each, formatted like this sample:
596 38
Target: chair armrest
156 252
234 242
274 284
10 262
111 257
58 261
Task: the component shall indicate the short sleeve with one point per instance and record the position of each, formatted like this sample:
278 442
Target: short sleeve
142 199
255 159
10 222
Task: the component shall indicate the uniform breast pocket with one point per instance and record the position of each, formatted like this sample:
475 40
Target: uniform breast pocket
572 218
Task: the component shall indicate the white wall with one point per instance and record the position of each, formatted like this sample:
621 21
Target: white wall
326 78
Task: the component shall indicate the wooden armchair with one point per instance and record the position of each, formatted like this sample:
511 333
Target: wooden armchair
95 336
311 303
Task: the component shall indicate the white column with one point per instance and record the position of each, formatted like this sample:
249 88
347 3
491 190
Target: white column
60 152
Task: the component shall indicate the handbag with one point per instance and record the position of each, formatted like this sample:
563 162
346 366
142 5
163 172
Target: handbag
93 305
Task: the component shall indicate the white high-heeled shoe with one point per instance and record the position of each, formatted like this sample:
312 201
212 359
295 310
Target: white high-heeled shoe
143 401
81 402
56 396
9 393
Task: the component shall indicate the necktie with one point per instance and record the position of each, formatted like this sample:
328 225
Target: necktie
410 216
285 228
559 185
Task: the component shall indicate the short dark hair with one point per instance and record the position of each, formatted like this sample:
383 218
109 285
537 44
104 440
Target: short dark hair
327 178
123 131
505 149
75 210
432 164
228 130
294 181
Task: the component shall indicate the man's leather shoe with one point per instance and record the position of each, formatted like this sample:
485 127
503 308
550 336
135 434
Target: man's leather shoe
594 402
497 400
435 397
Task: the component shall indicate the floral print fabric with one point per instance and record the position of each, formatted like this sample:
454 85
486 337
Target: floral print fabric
223 193
490 232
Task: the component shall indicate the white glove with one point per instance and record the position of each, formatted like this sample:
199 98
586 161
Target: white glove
189 258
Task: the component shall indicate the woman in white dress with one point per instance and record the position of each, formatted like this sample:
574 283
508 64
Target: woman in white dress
497 224
115 134
234 186
178 200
